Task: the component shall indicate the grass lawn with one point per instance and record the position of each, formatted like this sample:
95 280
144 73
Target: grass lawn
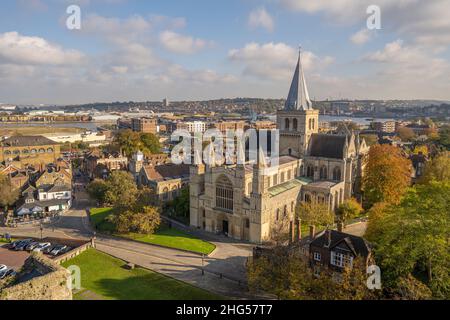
105 276
174 238
98 219
165 236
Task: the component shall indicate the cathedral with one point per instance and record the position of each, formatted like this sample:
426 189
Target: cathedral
250 201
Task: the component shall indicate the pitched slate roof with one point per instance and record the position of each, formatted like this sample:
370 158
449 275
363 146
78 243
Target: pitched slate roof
328 145
24 141
358 244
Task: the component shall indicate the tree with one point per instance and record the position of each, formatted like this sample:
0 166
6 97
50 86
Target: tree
412 238
181 204
97 190
314 213
376 213
350 209
282 272
421 149
130 142
121 189
8 194
438 169
150 143
444 137
387 174
405 133
145 221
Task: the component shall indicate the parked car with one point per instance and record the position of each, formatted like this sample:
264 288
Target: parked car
49 248
42 246
13 244
6 273
22 245
31 246
3 267
58 249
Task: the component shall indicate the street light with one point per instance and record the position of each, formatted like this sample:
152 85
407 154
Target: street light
41 228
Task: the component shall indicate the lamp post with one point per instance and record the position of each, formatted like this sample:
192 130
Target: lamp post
41 227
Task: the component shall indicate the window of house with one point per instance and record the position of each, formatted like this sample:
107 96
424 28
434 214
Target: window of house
317 256
224 194
341 260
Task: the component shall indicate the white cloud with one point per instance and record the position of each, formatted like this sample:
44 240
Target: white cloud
423 22
179 43
261 18
18 49
274 61
362 36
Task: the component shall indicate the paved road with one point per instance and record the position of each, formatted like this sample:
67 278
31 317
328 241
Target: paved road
228 259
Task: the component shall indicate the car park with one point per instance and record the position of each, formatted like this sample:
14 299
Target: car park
42 246
31 246
58 249
7 272
49 249
22 245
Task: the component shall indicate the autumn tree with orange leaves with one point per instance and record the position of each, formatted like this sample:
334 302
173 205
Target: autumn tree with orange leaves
387 175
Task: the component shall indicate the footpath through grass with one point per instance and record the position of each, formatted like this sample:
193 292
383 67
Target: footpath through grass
106 277
165 236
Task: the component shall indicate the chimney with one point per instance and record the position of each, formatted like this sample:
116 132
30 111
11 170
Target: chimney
312 232
340 226
328 237
299 230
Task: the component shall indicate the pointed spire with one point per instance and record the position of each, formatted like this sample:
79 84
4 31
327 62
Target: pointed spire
298 98
261 159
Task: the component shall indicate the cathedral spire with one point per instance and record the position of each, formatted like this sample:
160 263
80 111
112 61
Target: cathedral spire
298 98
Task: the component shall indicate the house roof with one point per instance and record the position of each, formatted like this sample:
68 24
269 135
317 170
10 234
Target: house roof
358 245
328 145
24 141
166 171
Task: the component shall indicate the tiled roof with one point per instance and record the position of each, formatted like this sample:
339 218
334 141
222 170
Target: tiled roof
24 141
328 145
358 244
166 171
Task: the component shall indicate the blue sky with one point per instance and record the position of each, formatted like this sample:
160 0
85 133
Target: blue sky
199 49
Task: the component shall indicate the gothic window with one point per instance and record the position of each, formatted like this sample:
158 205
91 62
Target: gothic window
166 194
301 171
313 123
286 124
337 174
7 152
310 171
289 175
249 187
295 125
323 173
307 198
285 211
16 152
41 150
310 124
282 177
278 214
224 194
275 179
50 150
33 151
336 200
25 151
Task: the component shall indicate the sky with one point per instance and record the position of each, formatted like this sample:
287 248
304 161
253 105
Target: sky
148 50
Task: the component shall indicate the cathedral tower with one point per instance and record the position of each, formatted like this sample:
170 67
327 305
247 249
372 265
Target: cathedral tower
298 120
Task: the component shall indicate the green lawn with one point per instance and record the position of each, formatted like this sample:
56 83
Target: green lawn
174 238
165 236
105 276
98 219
